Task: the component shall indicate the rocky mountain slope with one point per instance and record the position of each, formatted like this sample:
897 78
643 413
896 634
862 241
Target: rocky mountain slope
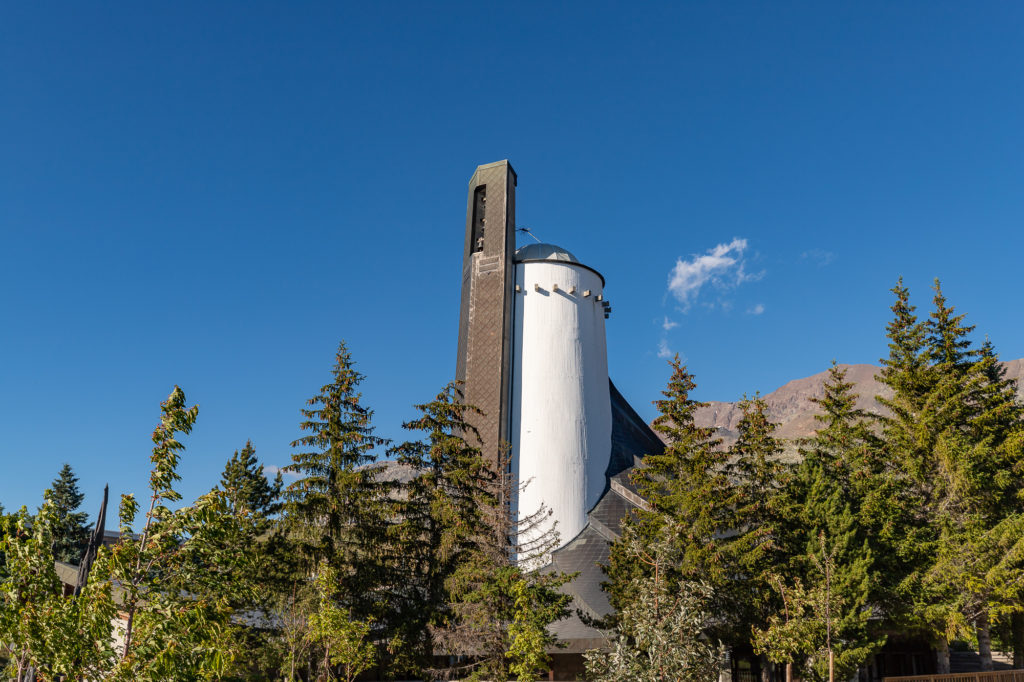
790 406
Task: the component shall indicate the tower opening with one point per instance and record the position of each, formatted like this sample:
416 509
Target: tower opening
479 217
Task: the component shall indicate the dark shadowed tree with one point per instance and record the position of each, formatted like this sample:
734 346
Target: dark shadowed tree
71 531
443 513
502 597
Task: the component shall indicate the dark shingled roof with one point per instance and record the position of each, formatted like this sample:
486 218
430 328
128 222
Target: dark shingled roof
632 438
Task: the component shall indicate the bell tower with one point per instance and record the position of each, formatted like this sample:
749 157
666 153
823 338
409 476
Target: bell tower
485 315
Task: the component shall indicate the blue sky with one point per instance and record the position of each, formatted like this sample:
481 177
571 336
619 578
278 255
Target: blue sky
214 194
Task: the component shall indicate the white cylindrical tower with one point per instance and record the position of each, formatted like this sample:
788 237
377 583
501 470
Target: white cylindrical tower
561 407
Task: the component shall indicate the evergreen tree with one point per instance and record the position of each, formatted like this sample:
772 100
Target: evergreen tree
758 477
336 510
831 503
443 515
252 499
686 485
71 532
247 488
979 524
911 490
952 442
500 601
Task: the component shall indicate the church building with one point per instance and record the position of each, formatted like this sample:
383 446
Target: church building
532 356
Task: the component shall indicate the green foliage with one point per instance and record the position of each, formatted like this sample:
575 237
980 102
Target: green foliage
344 641
661 634
500 602
686 485
340 513
954 443
246 486
71 532
537 603
443 514
40 627
337 510
753 541
831 498
179 579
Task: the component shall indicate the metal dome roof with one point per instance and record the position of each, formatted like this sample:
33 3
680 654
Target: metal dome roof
544 252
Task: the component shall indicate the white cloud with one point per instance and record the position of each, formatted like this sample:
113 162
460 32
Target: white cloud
756 310
722 267
271 470
669 324
663 350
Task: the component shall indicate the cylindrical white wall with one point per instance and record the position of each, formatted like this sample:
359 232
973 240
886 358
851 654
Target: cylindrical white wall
561 408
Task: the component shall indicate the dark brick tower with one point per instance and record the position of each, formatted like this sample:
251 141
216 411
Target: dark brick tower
485 317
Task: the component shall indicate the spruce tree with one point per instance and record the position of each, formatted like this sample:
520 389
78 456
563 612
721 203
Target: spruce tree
71 532
979 525
686 485
912 492
758 477
952 444
828 536
246 485
337 511
501 600
443 515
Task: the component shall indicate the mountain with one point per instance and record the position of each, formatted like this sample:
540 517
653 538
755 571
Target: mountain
790 406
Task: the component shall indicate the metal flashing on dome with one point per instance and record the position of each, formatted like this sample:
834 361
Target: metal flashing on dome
542 251
549 252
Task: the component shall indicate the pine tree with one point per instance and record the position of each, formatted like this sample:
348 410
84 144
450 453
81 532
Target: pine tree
953 446
336 510
686 484
501 600
979 525
442 516
71 533
246 485
828 535
758 477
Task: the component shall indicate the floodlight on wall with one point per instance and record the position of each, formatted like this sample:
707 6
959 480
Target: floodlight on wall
554 287
536 287
586 293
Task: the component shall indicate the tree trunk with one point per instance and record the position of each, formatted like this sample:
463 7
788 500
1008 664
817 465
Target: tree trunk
984 641
942 656
789 672
1017 624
